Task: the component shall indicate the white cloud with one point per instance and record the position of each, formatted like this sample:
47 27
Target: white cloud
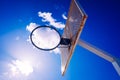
56 51
31 26
47 17
20 67
64 17
47 38
15 70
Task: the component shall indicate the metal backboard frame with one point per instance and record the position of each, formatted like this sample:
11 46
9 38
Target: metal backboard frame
73 28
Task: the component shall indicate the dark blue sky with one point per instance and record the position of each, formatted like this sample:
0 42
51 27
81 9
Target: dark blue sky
102 29
103 24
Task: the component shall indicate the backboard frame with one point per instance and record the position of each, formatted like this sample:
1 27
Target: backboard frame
67 34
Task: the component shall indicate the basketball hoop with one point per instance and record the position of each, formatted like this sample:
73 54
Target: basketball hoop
47 38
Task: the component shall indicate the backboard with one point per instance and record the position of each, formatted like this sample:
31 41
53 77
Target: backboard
73 28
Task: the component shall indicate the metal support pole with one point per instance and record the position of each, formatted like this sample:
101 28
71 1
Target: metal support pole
115 62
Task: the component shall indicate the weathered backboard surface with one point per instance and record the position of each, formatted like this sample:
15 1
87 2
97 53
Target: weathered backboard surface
74 25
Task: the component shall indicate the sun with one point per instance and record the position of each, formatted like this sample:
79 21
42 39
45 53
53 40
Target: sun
21 67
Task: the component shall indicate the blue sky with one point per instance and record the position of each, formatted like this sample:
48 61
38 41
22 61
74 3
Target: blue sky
101 29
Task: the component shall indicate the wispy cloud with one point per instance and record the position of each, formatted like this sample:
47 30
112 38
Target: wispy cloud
47 17
15 70
64 17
